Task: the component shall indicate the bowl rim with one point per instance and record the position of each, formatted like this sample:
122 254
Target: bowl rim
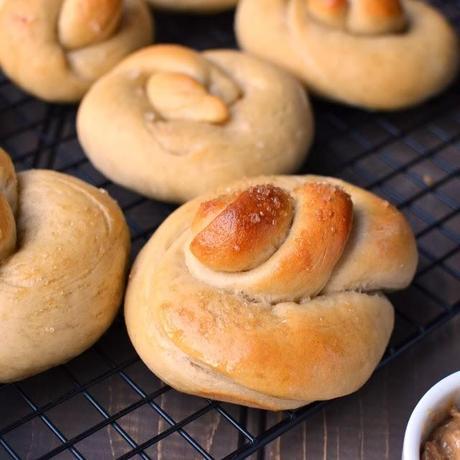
438 395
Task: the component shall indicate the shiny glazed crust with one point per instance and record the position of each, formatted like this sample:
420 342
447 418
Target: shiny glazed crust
65 45
366 53
306 322
62 278
171 123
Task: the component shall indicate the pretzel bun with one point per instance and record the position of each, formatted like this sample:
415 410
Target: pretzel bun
194 6
366 53
268 293
65 45
171 123
63 256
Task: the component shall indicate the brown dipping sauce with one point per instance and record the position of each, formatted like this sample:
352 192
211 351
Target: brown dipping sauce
444 441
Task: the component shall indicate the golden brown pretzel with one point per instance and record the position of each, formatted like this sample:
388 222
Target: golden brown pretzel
171 123
268 293
63 256
378 54
56 49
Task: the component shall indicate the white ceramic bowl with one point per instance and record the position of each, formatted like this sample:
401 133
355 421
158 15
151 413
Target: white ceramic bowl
430 411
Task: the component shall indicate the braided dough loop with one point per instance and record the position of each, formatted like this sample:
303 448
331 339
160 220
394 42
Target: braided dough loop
301 266
182 85
202 119
205 332
356 58
197 6
65 45
237 233
62 282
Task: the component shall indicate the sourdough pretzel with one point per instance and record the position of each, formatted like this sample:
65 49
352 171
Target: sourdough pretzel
63 253
379 54
55 49
269 293
197 6
171 123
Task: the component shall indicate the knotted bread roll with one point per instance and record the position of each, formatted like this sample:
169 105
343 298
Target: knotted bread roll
268 294
379 54
63 253
171 123
55 49
198 6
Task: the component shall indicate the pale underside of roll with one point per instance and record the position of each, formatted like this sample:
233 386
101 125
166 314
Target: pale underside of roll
63 258
377 54
268 293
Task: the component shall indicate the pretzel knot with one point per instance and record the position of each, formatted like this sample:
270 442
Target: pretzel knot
270 294
206 118
362 52
63 252
67 44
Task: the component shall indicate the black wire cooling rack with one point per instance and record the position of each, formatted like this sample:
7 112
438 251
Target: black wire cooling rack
105 403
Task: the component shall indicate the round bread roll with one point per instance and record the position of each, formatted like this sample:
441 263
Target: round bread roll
62 268
194 6
377 54
172 123
55 49
268 294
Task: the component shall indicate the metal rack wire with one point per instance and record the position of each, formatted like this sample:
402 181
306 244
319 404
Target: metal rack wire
106 402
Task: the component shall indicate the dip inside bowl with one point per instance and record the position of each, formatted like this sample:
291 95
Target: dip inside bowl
430 412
